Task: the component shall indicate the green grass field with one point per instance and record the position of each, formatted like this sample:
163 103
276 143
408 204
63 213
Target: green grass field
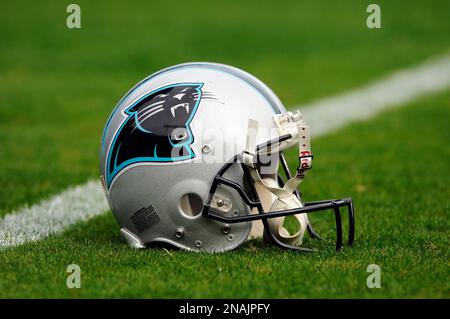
58 87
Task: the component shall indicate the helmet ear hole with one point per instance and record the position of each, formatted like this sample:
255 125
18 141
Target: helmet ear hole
191 204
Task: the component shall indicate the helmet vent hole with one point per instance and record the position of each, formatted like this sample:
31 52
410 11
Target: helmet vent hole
191 204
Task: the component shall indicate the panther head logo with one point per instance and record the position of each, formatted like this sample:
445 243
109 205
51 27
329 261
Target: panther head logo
156 128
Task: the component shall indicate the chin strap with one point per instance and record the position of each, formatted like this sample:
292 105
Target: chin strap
274 197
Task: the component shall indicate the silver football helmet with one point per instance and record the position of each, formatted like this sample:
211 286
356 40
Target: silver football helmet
190 157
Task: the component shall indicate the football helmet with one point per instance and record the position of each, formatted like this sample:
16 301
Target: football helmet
190 157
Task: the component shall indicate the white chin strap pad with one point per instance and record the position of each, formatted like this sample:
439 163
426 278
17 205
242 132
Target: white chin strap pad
276 224
272 196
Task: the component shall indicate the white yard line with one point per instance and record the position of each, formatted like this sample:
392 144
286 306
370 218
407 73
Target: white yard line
86 201
53 215
390 91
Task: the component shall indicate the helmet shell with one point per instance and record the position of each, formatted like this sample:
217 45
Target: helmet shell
147 195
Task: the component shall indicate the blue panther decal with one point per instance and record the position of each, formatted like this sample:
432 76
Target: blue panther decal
156 128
